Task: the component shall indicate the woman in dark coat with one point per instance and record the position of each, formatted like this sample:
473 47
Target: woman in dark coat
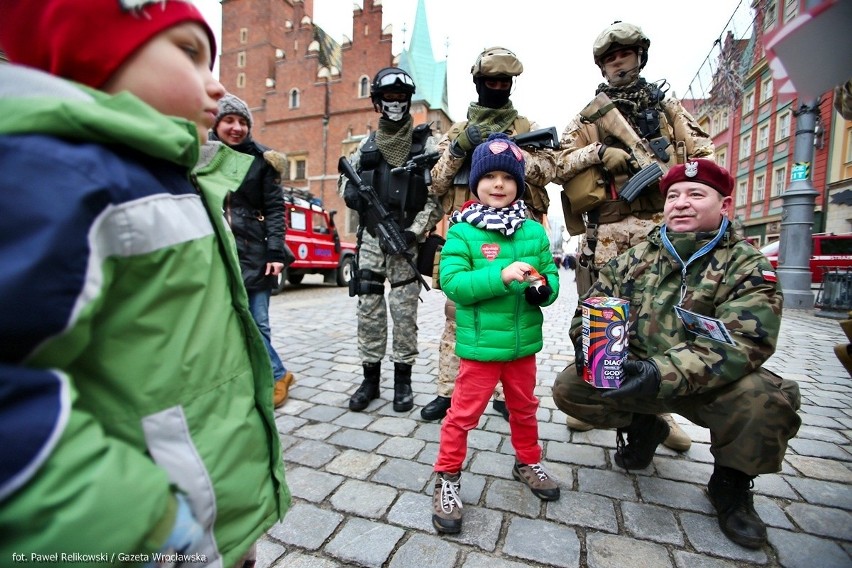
255 212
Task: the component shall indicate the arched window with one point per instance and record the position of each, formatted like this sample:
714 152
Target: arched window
364 87
294 98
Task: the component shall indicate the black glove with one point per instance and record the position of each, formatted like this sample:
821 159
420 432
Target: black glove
468 139
615 160
641 378
410 238
579 362
352 197
537 295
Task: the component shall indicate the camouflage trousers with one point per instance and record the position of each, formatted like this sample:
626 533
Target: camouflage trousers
373 309
448 361
615 238
750 420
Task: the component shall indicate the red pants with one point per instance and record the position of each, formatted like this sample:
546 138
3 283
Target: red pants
474 387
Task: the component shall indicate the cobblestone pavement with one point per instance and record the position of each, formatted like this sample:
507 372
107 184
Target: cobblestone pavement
362 482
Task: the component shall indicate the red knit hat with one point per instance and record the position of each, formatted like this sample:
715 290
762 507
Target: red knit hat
87 40
700 170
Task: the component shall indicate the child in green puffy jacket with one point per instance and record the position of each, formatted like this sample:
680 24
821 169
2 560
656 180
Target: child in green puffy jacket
498 269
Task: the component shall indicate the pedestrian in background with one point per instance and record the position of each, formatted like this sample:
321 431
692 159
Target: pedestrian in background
255 212
134 384
494 73
406 196
595 164
705 312
498 269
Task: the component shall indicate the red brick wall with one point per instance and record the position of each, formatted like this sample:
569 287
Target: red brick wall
300 130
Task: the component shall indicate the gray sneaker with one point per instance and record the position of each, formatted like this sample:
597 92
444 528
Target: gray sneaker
539 482
446 503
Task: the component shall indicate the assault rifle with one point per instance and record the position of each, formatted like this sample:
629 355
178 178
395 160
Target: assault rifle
541 138
379 221
642 151
418 162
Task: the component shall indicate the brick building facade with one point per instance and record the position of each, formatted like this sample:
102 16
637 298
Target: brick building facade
310 94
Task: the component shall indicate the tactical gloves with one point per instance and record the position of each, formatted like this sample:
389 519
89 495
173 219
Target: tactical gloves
537 295
410 238
352 197
468 139
641 378
579 362
615 160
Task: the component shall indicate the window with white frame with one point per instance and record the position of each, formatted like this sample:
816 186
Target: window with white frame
241 59
295 98
766 89
241 80
779 179
759 188
791 9
762 137
770 14
745 146
742 192
748 102
782 126
722 157
243 35
849 145
364 87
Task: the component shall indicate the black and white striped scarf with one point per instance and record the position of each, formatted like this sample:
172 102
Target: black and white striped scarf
506 220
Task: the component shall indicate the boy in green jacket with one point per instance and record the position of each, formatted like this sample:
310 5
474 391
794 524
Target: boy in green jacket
135 388
499 270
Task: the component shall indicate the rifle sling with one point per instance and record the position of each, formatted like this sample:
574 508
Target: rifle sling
599 113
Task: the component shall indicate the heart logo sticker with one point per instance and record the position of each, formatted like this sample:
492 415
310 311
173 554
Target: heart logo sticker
490 251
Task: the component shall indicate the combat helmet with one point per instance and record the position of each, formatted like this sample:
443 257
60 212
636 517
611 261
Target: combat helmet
618 36
392 80
496 61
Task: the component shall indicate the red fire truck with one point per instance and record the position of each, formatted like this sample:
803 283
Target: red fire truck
313 238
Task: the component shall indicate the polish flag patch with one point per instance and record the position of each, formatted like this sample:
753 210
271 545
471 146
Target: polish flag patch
490 251
769 275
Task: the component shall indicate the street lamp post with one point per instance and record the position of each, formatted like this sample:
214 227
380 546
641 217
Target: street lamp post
794 251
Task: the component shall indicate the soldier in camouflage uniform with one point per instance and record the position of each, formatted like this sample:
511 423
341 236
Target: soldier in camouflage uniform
610 225
392 145
697 262
493 73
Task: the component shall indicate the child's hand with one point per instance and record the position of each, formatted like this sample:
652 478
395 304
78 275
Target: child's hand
517 271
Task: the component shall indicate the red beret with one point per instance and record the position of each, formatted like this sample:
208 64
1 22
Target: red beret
700 170
87 40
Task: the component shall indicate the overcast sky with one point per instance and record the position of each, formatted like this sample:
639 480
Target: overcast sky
552 38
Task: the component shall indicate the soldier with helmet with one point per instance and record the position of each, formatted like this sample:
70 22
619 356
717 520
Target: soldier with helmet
494 73
406 196
596 162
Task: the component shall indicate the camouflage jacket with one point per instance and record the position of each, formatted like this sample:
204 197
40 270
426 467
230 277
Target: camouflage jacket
581 141
540 167
733 282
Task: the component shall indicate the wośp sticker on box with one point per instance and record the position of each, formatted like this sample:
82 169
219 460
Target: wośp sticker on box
605 327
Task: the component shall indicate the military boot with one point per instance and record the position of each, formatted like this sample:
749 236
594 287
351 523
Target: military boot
403 399
369 389
644 434
730 492
436 409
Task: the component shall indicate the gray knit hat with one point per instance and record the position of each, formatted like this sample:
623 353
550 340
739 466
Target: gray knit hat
230 104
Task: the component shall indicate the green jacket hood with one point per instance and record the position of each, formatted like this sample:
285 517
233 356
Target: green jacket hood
34 102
